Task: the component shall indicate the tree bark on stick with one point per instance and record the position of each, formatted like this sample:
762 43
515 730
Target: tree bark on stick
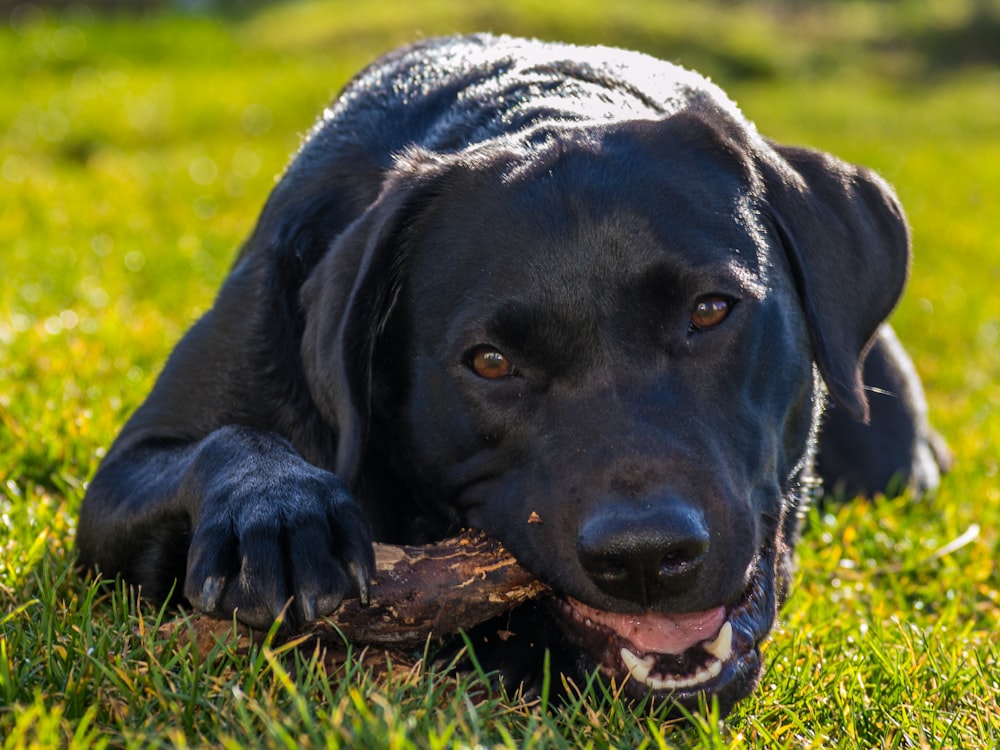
417 592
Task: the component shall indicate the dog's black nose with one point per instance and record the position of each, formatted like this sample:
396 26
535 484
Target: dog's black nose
644 553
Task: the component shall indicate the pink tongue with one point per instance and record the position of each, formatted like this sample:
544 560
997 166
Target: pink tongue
659 633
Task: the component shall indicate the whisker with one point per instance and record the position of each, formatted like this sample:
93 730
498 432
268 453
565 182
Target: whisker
881 391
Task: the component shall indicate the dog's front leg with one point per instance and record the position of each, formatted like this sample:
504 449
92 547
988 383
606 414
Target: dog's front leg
261 526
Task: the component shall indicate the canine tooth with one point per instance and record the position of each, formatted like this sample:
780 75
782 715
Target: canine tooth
638 668
722 646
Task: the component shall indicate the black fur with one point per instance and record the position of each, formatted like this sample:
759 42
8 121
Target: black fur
569 208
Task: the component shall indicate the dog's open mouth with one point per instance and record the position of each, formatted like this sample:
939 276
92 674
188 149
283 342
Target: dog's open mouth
679 656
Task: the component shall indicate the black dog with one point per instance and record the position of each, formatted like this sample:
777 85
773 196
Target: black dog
567 296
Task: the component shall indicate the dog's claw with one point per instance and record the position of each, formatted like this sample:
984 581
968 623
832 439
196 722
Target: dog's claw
308 605
210 592
361 579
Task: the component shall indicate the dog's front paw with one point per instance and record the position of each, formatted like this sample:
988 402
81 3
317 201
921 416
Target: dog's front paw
265 539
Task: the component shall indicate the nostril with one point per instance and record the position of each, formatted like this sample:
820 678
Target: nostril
609 572
682 559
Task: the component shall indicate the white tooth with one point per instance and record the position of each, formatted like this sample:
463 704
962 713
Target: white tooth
722 646
674 682
664 683
714 668
670 682
638 668
696 679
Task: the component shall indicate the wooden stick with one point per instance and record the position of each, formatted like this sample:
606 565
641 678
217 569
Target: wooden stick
417 592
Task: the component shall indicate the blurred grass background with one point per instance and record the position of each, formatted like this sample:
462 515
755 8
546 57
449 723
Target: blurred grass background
137 144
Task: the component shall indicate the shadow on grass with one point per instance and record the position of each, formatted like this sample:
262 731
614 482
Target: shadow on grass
976 41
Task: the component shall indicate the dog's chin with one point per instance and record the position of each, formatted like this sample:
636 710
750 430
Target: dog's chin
680 659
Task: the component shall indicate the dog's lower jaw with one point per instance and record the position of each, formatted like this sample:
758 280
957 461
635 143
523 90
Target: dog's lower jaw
724 667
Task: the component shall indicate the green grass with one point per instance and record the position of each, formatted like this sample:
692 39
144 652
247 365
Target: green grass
134 156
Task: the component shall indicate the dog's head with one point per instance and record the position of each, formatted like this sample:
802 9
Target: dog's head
603 349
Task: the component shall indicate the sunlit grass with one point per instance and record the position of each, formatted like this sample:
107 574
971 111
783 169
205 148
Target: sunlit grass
134 157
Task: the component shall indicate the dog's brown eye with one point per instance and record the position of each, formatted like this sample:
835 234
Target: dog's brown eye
488 363
710 311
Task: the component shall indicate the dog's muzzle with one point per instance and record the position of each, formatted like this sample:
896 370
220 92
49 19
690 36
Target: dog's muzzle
679 657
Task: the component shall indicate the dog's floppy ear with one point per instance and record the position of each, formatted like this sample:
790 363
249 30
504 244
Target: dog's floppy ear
847 241
347 300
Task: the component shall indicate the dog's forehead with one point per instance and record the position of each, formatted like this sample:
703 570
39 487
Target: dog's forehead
594 207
